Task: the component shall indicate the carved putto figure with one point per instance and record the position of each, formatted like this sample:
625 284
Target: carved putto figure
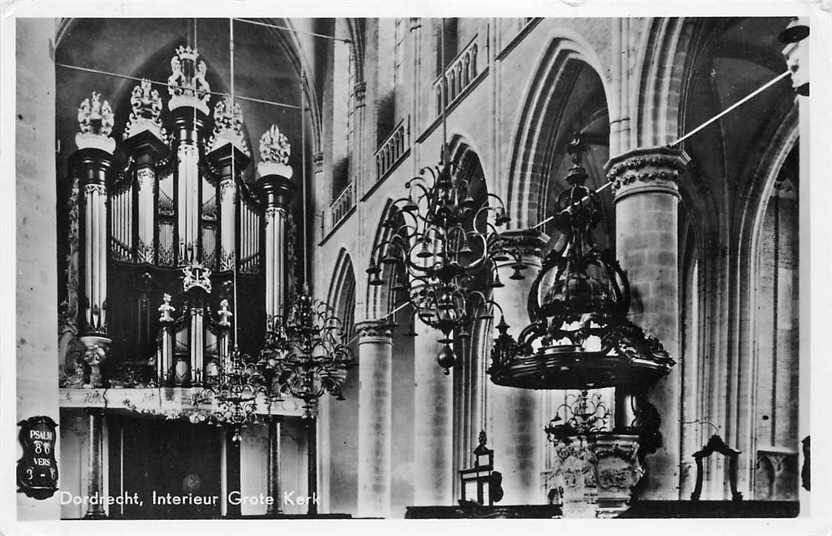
94 357
189 75
274 147
166 309
95 116
224 314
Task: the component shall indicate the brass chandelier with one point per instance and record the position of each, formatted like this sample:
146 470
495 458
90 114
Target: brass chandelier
305 354
578 336
445 244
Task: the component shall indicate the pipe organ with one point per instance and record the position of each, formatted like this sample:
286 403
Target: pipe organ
158 239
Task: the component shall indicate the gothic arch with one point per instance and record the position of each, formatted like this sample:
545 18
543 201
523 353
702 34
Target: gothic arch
551 84
341 294
379 296
358 38
763 171
666 54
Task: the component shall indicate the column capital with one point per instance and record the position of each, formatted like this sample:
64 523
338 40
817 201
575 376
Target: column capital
317 162
360 92
374 329
651 169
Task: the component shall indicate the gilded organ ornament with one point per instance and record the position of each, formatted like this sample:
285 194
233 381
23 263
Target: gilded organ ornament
146 111
95 124
228 126
187 83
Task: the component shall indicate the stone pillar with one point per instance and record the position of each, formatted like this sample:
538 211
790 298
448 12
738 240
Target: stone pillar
310 425
35 215
95 485
797 58
433 423
92 163
232 470
515 431
273 468
375 354
646 224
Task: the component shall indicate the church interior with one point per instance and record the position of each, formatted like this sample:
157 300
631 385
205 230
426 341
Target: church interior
411 267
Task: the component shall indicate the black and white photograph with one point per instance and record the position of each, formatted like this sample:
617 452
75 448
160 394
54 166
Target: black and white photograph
342 268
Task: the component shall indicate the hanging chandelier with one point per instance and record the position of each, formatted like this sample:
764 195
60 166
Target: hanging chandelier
304 353
233 395
445 244
580 414
579 336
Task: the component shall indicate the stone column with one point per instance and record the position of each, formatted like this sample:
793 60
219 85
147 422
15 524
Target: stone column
360 108
516 433
797 58
310 425
646 224
375 411
92 162
433 423
273 468
35 214
232 470
95 486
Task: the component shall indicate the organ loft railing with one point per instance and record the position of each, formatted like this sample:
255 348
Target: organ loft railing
154 229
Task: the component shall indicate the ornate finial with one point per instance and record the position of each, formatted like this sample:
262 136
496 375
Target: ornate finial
274 154
228 126
482 440
187 83
575 148
196 275
146 111
274 147
95 123
166 309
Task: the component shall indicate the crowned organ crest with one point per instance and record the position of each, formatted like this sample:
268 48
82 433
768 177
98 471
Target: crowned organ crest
187 83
